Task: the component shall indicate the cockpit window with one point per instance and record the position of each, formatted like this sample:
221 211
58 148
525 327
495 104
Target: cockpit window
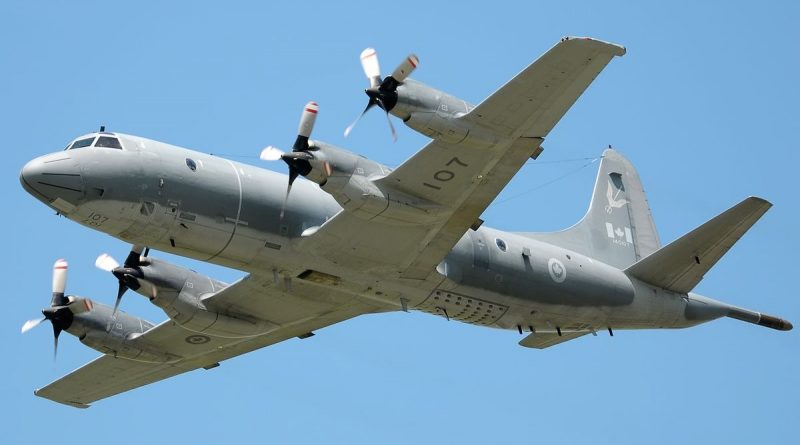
82 143
108 142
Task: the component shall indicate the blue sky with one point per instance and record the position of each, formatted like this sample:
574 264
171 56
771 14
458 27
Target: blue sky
704 104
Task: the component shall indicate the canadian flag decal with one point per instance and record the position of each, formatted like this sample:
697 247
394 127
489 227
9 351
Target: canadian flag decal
619 232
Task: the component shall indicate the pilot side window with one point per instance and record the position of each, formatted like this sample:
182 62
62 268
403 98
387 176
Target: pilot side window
81 143
108 142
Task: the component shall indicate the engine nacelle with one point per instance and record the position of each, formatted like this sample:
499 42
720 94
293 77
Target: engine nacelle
125 347
353 181
438 115
452 130
179 292
330 161
95 326
189 311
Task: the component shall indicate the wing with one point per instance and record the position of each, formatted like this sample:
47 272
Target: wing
299 312
460 180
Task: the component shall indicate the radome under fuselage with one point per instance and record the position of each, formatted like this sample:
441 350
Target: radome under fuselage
228 213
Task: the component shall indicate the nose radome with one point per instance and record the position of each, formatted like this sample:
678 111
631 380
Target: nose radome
55 180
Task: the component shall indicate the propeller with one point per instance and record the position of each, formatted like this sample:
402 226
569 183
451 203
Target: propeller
59 313
298 159
128 274
383 93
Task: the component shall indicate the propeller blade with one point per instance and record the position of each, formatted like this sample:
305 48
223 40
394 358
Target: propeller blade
391 127
371 67
405 68
350 127
30 324
106 262
388 118
59 283
292 176
120 292
129 269
56 332
59 276
307 119
271 154
134 256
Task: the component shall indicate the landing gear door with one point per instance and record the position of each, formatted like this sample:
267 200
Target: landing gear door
165 214
158 220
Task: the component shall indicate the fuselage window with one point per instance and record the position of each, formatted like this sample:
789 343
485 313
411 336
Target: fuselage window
191 164
108 142
501 244
82 143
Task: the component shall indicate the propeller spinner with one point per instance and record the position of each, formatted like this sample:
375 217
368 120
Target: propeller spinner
383 93
128 275
59 313
298 159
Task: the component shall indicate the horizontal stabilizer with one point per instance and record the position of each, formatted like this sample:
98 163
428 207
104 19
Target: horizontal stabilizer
542 340
681 264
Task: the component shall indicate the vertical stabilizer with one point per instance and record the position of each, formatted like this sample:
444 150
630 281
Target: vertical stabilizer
618 229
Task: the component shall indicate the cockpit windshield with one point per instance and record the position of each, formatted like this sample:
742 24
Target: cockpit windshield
100 142
108 142
80 143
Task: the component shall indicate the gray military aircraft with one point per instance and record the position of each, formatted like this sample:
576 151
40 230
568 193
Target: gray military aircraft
358 237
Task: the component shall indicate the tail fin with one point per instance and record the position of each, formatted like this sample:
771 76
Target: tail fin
681 264
618 229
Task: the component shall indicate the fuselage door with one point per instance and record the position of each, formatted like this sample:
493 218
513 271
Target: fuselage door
480 250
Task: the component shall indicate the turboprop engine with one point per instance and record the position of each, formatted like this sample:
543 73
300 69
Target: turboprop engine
96 325
353 180
424 109
181 293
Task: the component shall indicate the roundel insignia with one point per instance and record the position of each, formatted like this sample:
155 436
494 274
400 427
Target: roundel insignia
557 270
197 339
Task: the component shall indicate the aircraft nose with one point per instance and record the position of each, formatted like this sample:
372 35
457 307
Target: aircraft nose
53 179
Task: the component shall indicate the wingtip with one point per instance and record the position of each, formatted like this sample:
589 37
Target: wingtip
760 199
615 49
63 402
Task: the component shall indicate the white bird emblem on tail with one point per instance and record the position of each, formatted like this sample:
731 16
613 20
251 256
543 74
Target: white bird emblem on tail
613 202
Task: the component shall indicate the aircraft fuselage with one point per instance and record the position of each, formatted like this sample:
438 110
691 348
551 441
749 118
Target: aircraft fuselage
228 213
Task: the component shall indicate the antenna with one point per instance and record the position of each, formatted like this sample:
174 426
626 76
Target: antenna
102 128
